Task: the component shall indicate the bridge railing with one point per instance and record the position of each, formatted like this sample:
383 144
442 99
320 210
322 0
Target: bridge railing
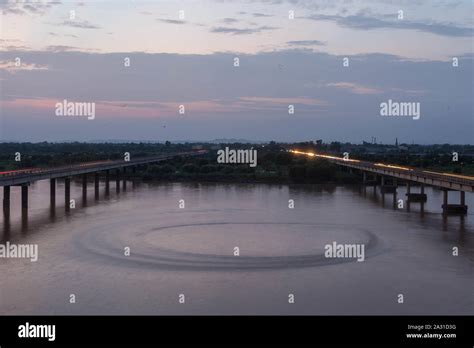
409 171
94 166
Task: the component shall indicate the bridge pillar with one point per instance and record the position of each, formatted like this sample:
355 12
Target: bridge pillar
67 193
445 200
117 180
408 195
107 182
84 188
96 185
124 178
422 205
52 192
460 209
6 199
24 197
395 197
375 185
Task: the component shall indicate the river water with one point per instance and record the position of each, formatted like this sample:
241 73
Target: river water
190 251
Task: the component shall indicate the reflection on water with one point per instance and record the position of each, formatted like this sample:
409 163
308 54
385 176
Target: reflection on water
191 251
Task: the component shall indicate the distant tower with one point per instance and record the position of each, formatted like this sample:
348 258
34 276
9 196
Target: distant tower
396 142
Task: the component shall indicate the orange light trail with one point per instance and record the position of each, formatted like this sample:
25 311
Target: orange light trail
391 166
312 154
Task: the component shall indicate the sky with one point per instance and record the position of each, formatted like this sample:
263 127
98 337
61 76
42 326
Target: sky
332 62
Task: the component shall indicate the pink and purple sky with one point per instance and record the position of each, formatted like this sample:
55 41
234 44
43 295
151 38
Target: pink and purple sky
190 61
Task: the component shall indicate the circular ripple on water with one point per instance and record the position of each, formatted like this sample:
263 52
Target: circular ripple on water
103 242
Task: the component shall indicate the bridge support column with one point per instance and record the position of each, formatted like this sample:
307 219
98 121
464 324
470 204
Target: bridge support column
375 184
52 192
445 201
408 195
67 193
395 198
6 199
117 180
24 197
395 187
96 185
124 178
459 209
107 182
422 205
84 188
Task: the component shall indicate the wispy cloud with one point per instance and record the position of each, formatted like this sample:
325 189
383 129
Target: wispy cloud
239 31
306 43
364 22
258 14
170 21
61 48
284 101
27 7
11 67
355 88
230 20
79 24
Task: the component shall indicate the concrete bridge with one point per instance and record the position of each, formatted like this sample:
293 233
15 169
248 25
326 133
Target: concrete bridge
25 177
444 181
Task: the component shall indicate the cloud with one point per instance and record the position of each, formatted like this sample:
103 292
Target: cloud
61 48
10 66
171 21
14 11
363 22
79 24
355 88
283 101
27 7
12 45
238 31
230 20
222 100
257 14
306 43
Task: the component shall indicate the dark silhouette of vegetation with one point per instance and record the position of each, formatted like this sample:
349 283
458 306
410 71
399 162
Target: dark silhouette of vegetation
274 163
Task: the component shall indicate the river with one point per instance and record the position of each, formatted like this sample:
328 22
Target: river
191 251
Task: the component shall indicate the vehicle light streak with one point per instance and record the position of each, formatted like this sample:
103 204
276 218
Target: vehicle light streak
312 154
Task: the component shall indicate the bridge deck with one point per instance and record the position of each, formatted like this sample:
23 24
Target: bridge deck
27 176
442 180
